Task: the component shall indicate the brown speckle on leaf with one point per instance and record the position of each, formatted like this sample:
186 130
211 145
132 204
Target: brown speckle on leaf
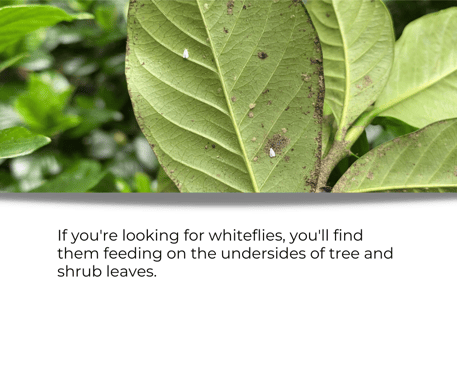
234 99
278 143
262 55
370 175
230 6
251 115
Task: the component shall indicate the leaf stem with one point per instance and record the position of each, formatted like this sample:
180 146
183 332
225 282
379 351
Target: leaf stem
342 145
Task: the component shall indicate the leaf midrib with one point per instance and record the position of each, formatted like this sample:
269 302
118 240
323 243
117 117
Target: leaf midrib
229 105
346 68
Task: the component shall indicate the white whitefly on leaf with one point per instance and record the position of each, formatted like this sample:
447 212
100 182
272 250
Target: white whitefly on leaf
272 153
185 54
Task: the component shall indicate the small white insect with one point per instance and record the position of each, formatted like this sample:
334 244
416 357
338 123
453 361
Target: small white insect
185 54
272 153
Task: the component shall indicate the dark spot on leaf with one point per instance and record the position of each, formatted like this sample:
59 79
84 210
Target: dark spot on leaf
230 6
278 143
262 55
287 158
213 146
265 91
287 108
226 30
316 61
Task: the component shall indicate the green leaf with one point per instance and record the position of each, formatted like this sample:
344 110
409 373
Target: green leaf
6 64
423 161
7 183
122 186
422 86
79 178
20 20
143 183
15 142
42 105
164 183
252 83
106 16
357 40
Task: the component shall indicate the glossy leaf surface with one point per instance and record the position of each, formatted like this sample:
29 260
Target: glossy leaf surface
15 142
19 20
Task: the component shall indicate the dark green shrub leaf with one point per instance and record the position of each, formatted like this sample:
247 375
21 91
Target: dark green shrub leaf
15 142
82 176
42 106
20 20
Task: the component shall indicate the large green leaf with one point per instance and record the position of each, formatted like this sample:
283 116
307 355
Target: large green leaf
252 82
423 161
422 88
357 40
82 176
19 20
15 142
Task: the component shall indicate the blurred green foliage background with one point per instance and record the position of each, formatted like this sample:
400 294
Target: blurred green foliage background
68 83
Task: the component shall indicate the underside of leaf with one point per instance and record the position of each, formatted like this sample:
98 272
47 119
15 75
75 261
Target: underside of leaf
217 85
423 161
422 86
358 44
